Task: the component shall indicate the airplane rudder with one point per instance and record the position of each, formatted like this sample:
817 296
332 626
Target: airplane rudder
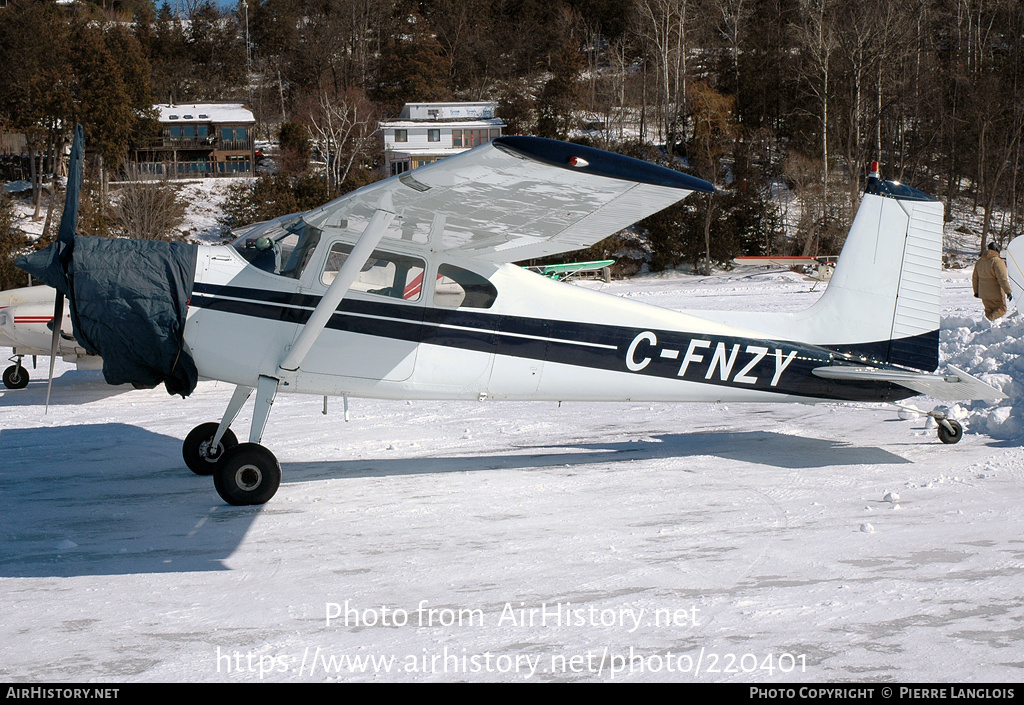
915 332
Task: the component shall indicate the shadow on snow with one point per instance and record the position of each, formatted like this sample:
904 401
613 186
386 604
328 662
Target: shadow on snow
110 499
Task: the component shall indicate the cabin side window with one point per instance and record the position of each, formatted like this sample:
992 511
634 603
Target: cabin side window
460 288
384 274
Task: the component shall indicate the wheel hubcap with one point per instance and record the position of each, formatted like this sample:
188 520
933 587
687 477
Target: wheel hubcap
208 452
248 477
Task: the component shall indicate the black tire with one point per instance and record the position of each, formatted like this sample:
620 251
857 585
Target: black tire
953 436
15 377
195 448
247 474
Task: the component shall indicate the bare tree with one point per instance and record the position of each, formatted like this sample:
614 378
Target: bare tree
662 25
816 37
12 244
148 209
734 15
342 124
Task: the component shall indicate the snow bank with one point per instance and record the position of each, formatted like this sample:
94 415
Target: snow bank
993 352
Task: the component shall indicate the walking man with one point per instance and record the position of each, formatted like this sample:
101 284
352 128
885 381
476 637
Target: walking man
990 283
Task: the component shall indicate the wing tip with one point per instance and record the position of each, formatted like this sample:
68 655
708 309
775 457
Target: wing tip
599 162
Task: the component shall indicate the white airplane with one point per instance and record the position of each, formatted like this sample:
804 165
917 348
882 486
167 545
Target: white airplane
566 272
823 267
405 289
25 325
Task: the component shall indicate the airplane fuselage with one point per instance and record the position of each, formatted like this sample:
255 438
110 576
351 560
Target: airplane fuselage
536 339
25 316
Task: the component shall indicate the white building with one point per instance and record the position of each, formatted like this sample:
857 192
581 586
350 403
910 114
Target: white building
426 132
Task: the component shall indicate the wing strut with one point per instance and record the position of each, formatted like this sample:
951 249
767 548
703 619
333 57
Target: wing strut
350 269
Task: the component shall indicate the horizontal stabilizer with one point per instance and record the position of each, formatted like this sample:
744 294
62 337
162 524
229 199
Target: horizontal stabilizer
955 386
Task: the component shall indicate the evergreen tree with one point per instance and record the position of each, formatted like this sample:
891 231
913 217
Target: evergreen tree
95 215
560 97
516 108
129 54
411 66
103 104
216 47
264 198
170 67
293 140
12 245
752 224
36 83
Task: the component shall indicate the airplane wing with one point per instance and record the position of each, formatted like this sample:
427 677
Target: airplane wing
564 271
514 198
956 386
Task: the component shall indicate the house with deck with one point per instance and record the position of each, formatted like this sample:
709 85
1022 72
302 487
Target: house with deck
199 140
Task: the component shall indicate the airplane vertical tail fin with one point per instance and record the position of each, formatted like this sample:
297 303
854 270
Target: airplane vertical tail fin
883 301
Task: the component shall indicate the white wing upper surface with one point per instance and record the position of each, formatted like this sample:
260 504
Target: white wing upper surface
514 198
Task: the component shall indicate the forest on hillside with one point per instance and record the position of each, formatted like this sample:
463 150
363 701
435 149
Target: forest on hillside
749 94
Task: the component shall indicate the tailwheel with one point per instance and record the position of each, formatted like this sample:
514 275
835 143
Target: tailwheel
950 431
15 377
247 474
198 451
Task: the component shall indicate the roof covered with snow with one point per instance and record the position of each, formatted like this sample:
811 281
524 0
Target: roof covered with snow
448 111
433 124
205 112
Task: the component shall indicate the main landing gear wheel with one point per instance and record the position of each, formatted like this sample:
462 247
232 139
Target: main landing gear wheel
15 377
953 434
197 452
247 474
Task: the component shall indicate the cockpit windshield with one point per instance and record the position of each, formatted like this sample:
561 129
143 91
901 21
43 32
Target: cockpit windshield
283 248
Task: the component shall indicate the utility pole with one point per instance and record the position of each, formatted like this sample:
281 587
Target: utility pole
248 54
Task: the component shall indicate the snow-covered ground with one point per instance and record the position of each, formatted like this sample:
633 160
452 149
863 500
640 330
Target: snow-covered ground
205 206
203 198
523 541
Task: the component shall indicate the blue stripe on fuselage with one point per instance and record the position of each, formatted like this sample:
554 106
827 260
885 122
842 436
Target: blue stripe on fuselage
760 364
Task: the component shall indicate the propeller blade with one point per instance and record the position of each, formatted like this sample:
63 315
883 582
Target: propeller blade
69 218
58 319
66 235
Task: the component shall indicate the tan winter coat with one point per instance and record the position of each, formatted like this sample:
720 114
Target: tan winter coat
989 278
